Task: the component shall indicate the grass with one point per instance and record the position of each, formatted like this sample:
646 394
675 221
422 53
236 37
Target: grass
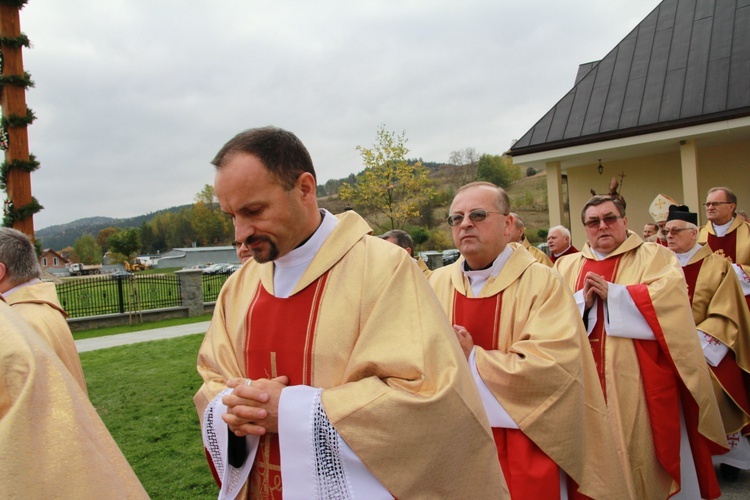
143 392
113 330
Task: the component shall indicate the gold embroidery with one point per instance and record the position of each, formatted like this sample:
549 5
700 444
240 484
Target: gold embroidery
720 253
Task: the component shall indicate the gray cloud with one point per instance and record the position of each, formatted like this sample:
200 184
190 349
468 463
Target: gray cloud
133 98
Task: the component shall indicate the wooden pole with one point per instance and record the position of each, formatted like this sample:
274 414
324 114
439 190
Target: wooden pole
14 103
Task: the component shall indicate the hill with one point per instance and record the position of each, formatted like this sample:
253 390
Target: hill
64 235
528 198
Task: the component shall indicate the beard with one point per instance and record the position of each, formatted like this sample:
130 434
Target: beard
259 254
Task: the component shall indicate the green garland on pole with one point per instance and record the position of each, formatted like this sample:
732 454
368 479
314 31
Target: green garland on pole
15 3
25 166
24 80
18 121
14 42
11 214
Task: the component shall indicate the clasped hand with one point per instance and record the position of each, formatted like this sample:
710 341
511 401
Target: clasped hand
594 286
253 409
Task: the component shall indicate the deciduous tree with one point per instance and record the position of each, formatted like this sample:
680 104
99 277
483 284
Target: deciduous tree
389 187
86 250
126 242
498 170
464 162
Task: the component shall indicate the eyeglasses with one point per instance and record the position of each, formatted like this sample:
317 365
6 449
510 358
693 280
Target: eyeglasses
710 204
595 223
675 230
474 216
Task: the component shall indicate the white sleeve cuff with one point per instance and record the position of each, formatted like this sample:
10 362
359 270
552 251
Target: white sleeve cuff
315 461
496 414
215 439
713 349
743 277
622 317
590 321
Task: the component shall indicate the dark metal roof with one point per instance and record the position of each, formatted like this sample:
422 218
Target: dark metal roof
686 63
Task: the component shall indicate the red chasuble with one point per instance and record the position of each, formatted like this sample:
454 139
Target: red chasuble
732 379
529 472
663 388
279 341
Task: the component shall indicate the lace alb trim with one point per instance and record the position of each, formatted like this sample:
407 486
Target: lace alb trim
330 476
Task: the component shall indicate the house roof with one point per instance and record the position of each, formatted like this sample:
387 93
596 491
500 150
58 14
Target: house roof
46 251
687 63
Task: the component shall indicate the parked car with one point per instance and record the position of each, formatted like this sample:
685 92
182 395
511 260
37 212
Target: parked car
117 275
216 268
450 256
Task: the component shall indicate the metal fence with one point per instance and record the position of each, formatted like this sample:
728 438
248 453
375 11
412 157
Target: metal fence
212 284
98 295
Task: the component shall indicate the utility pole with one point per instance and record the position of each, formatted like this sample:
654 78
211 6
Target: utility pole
16 172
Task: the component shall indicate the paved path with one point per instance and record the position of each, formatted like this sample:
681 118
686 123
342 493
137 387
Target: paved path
169 332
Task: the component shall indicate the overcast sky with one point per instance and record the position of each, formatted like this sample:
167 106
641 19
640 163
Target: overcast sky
134 97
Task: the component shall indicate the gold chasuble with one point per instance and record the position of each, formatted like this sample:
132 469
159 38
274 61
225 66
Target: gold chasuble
538 255
646 381
719 310
38 304
532 354
363 325
52 442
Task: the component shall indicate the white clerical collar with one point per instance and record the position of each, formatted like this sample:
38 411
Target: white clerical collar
289 268
477 279
684 258
22 285
559 254
599 255
723 229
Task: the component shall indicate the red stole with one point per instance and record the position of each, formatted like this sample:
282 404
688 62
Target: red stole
529 472
732 379
598 338
279 341
664 390
726 245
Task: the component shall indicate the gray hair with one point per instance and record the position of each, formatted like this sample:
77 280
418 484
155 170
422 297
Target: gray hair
517 220
562 229
400 237
19 256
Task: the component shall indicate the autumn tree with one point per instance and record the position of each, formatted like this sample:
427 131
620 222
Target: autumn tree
390 187
103 236
86 250
210 224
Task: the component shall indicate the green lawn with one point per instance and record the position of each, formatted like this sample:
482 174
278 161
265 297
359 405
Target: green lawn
144 393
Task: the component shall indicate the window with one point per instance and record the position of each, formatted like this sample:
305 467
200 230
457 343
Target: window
44 261
54 261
